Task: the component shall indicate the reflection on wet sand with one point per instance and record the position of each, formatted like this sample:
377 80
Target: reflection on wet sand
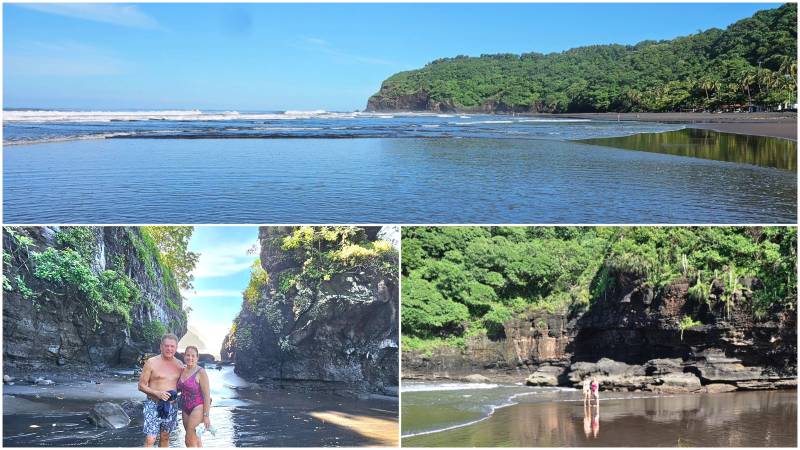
591 421
382 432
708 144
728 420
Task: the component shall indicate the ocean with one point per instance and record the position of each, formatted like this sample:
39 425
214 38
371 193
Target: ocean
341 167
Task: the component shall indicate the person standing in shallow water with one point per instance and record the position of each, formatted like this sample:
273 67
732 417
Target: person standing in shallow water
587 392
195 397
159 381
595 388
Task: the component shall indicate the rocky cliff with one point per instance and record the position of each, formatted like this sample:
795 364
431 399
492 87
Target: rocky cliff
324 307
84 296
632 338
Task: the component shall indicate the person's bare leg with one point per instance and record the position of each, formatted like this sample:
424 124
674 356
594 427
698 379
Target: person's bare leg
149 441
193 421
185 419
163 439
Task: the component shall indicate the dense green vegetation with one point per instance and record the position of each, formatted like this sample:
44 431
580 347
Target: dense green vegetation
173 245
464 281
110 291
752 62
70 265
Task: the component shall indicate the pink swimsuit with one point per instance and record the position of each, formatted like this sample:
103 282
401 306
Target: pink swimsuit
191 395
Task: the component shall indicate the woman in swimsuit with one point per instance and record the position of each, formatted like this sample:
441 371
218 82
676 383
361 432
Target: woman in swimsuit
195 398
595 387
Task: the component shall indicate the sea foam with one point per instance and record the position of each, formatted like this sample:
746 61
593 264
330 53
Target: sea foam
446 387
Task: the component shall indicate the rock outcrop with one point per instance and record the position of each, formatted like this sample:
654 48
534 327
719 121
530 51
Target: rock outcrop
109 415
343 331
97 298
630 339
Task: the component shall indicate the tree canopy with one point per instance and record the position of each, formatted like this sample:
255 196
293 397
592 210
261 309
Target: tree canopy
462 281
173 245
753 61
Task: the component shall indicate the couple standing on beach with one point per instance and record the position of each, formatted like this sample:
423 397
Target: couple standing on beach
591 422
163 378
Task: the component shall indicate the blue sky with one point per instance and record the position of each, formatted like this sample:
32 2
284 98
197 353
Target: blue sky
278 56
221 275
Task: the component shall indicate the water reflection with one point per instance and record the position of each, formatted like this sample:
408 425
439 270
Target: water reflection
727 420
591 421
709 144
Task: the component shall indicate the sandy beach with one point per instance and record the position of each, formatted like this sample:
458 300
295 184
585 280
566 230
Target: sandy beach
771 124
245 414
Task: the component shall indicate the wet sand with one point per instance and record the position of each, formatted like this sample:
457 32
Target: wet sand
245 415
738 419
780 125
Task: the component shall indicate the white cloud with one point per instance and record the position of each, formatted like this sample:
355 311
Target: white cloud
223 261
115 14
316 41
63 59
211 293
323 46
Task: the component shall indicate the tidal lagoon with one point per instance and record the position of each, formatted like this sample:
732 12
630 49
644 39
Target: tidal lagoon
386 169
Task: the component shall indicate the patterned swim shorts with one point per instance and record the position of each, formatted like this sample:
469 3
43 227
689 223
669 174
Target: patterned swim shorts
154 424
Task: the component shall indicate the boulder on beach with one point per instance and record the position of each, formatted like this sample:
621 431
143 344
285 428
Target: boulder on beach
133 408
475 378
109 415
675 383
603 367
716 367
545 376
718 388
41 381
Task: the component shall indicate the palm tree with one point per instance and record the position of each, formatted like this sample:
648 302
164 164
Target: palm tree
709 84
789 70
748 77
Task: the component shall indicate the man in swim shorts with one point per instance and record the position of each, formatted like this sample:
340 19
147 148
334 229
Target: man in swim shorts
587 391
160 376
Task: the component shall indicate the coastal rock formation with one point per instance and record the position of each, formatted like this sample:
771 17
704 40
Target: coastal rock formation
109 415
476 378
84 296
545 376
539 338
341 327
630 339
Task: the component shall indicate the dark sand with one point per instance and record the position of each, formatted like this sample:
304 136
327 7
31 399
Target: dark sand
780 125
245 415
738 419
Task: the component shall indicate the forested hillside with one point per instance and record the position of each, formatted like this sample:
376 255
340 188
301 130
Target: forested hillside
752 62
469 281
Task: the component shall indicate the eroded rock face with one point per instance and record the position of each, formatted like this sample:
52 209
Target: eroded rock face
631 339
418 101
53 328
350 337
537 339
